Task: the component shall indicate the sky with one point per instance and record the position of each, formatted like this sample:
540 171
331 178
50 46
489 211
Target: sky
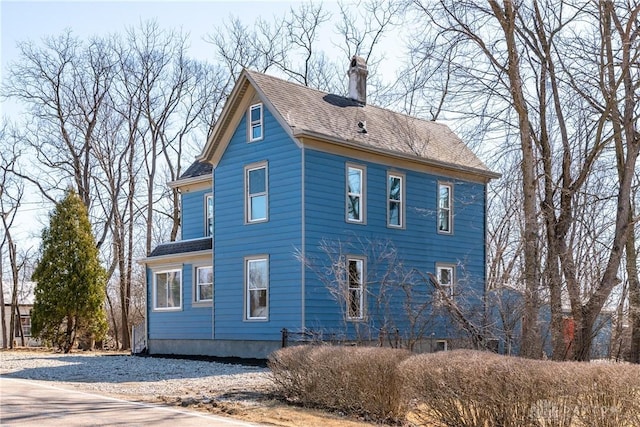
33 20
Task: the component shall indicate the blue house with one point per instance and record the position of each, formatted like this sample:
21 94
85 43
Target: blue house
286 212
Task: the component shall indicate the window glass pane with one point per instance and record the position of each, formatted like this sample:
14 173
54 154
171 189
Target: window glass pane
258 207
394 213
354 208
257 181
394 188
258 303
258 281
161 290
445 276
175 295
257 274
256 131
443 220
209 216
444 196
355 181
354 305
205 275
256 112
205 292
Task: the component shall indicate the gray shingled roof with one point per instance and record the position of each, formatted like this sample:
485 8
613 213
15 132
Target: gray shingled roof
181 247
313 112
197 168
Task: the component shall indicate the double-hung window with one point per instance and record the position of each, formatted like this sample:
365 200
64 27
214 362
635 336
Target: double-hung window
255 122
395 200
208 215
256 288
167 290
355 194
445 208
355 291
204 284
445 274
257 195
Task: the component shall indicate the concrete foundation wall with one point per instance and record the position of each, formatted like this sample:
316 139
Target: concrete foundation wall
218 348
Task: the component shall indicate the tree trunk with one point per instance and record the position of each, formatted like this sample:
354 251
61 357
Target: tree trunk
634 294
2 310
531 340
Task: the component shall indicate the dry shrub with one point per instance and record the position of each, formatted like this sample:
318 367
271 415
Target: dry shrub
469 388
356 380
609 395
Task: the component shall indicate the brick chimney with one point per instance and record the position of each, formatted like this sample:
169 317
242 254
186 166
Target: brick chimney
358 79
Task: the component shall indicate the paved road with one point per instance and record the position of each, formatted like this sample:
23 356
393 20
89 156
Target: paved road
31 403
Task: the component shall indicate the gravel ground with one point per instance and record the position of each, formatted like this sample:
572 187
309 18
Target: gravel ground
185 382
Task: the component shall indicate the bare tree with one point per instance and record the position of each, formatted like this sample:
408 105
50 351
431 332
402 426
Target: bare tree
11 195
537 63
64 83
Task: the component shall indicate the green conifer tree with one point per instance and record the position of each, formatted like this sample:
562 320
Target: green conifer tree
70 290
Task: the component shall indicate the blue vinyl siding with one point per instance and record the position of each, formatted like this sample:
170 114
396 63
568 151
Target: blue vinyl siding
418 245
187 323
276 238
193 211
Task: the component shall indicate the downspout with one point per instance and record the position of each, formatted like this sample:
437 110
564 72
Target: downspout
485 294
213 258
303 239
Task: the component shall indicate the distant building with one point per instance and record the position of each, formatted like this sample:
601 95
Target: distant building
22 323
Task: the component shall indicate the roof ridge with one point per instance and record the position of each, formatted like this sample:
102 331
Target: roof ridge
310 88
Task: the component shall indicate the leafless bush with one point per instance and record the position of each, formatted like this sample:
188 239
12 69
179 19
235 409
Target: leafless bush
609 395
357 380
467 388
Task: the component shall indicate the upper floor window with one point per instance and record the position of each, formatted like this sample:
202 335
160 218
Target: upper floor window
355 294
204 284
445 208
395 200
446 276
167 290
355 194
255 122
208 215
256 190
256 288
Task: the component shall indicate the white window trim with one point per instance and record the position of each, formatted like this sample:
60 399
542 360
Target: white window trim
448 185
247 261
207 231
401 213
260 122
362 288
155 288
197 302
362 195
445 347
247 195
446 266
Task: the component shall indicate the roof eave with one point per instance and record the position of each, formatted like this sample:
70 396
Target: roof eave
173 257
299 133
180 182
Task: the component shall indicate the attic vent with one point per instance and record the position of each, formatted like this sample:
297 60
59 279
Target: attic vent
358 79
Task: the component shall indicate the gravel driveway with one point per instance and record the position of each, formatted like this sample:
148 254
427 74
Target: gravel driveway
185 382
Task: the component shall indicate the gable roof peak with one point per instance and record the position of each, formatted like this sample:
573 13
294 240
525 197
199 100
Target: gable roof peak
306 112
